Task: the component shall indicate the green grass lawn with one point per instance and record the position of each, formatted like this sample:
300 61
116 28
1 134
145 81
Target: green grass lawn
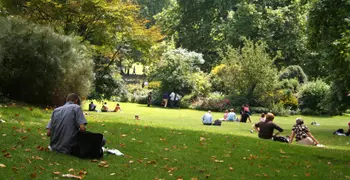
172 144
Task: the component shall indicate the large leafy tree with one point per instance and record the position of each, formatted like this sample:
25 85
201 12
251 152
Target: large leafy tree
248 72
206 26
113 28
179 71
329 38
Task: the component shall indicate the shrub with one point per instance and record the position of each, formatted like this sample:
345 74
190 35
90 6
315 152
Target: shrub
293 72
39 66
311 96
177 71
279 110
259 110
154 85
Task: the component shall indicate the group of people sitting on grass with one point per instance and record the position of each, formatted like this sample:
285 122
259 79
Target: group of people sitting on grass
265 127
92 107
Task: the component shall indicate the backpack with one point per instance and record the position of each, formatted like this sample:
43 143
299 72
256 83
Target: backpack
89 145
339 131
217 123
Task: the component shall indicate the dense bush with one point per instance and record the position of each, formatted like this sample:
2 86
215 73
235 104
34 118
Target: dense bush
293 72
40 66
178 72
109 82
311 97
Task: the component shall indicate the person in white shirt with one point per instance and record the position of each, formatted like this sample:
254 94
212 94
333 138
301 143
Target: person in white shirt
172 99
207 118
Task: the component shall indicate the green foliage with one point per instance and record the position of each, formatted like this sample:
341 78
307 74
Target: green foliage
154 85
293 72
279 110
249 72
178 72
40 66
329 38
311 96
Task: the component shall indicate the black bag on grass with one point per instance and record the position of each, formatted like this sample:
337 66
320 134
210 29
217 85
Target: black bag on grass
217 123
89 145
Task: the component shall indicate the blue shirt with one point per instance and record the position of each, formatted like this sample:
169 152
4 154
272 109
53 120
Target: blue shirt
64 124
207 118
231 116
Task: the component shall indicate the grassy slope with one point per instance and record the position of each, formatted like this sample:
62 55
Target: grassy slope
170 144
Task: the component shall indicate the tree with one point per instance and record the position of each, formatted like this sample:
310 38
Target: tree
179 71
113 28
249 72
39 66
205 26
329 39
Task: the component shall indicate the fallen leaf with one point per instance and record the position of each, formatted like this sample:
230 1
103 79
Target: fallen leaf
81 172
194 178
231 169
123 135
28 150
7 155
2 166
94 160
71 170
38 158
72 176
207 176
265 175
4 135
16 114
56 172
33 175
282 152
131 162
307 174
112 174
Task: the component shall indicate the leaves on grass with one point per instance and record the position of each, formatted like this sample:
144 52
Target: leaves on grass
28 150
112 174
282 152
307 174
71 170
123 135
7 155
4 135
231 169
2 165
33 175
103 164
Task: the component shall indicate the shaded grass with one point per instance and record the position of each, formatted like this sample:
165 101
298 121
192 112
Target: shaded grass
171 144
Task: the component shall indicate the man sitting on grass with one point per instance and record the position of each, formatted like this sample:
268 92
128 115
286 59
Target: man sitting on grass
207 118
67 127
266 128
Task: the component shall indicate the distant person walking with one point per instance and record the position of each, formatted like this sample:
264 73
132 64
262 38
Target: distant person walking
177 100
165 99
149 99
172 99
134 71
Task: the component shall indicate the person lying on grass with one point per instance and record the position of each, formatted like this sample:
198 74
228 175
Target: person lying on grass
302 134
267 127
66 125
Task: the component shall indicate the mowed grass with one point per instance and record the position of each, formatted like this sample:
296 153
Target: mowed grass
172 144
